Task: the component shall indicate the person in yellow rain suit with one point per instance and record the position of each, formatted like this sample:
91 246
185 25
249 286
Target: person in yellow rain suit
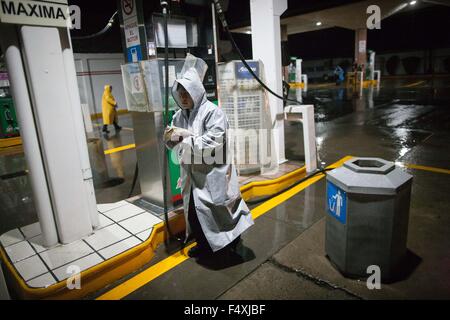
109 109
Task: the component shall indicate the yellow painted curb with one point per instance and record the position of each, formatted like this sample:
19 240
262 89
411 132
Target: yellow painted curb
95 116
179 257
297 85
113 269
10 142
122 148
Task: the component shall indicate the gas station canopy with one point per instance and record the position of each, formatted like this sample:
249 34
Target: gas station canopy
350 16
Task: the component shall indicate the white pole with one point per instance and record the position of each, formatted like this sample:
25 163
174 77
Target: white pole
77 117
33 156
309 136
298 70
305 81
266 45
58 131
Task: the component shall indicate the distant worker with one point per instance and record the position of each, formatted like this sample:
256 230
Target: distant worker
215 213
109 111
339 74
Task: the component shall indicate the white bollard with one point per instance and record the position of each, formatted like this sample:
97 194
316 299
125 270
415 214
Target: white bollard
305 81
309 133
378 77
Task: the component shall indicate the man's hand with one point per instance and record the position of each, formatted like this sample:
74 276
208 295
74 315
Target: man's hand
174 135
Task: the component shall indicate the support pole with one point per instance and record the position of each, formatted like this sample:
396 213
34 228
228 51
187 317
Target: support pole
28 131
58 134
266 45
77 117
361 47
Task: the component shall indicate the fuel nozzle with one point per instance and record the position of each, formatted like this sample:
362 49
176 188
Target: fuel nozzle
220 13
164 5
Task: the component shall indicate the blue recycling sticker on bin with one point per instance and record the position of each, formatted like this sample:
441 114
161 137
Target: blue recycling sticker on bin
337 202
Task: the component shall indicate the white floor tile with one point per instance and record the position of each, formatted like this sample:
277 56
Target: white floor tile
83 264
144 234
104 221
20 251
62 255
120 247
11 237
103 207
107 236
37 243
43 281
30 268
124 212
140 223
32 230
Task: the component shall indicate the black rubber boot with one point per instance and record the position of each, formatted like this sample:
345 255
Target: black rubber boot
105 128
117 127
235 244
198 251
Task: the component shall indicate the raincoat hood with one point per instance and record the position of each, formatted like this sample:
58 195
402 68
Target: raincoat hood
193 85
107 88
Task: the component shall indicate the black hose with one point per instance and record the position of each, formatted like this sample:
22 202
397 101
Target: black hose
263 199
136 173
222 19
97 34
164 5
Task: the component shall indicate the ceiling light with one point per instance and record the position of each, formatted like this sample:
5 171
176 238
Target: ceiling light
318 23
412 3
248 32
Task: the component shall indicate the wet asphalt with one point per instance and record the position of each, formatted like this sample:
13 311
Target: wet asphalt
405 120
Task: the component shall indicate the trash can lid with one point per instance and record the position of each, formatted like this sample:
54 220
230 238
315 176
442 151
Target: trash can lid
369 176
370 165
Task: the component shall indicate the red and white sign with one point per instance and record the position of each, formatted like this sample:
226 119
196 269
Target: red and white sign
128 8
130 21
131 30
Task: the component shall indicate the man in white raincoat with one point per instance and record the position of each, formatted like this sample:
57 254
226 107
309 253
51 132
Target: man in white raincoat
215 212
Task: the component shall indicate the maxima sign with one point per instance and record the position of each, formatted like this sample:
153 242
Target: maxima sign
53 13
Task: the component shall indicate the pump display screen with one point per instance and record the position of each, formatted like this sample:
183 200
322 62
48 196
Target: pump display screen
242 71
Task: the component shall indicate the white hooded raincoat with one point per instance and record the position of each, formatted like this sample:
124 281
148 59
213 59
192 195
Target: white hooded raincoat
222 213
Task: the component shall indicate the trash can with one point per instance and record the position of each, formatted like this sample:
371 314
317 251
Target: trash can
367 216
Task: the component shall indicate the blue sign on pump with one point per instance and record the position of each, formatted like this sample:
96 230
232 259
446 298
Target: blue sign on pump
242 71
134 54
337 202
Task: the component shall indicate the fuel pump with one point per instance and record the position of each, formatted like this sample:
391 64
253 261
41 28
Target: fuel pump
157 37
